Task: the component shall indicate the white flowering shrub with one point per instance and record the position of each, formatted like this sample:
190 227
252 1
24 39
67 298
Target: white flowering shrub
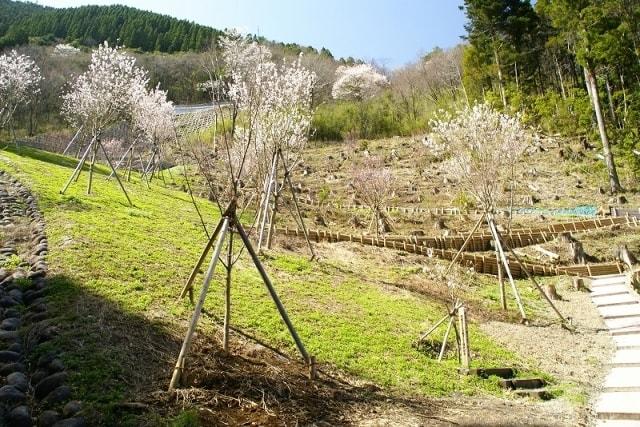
152 114
482 147
106 93
358 82
19 84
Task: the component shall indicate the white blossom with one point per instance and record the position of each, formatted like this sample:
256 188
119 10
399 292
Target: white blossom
152 114
19 83
106 93
64 49
358 82
483 147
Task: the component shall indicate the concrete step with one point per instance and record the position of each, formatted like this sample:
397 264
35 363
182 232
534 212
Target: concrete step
611 290
623 323
631 341
618 406
617 423
623 379
613 300
620 311
608 280
626 358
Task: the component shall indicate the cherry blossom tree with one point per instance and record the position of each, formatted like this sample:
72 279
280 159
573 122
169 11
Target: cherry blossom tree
373 185
483 147
106 92
358 82
19 84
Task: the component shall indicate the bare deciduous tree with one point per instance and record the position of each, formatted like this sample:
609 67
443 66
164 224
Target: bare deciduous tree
373 184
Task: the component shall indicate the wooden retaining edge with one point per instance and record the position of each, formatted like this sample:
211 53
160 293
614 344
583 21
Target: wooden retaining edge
486 264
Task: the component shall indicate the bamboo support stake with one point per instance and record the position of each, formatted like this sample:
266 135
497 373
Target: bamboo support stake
503 297
106 156
177 371
505 263
76 171
227 295
465 354
188 286
272 292
64 153
267 198
464 245
446 338
91 166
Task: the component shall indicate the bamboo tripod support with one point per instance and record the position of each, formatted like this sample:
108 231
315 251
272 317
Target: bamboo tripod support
93 147
227 226
461 334
267 216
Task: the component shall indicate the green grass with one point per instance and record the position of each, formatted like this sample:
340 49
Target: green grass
116 271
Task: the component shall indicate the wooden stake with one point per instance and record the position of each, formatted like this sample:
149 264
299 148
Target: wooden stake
272 291
64 153
503 297
266 202
297 206
91 166
465 354
177 371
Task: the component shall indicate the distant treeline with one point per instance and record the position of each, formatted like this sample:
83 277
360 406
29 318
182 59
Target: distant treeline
22 22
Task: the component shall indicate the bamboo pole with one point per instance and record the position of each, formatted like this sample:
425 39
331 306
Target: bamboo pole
177 371
265 278
464 245
266 202
64 153
91 166
78 167
227 295
446 337
188 286
465 354
287 176
106 156
503 297
503 258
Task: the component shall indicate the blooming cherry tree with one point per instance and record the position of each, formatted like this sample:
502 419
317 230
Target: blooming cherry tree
106 92
19 84
373 184
483 147
358 82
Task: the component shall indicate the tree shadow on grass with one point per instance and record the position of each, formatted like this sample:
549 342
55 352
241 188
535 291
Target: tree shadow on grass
44 156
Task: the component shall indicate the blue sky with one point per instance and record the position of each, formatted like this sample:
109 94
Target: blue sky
391 32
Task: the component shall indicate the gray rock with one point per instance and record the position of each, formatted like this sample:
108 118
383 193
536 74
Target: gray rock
72 408
16 294
20 416
9 368
12 312
38 376
10 394
16 347
59 395
9 356
8 335
19 381
56 365
71 422
7 301
10 324
48 418
48 384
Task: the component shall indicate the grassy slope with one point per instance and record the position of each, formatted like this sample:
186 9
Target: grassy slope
116 271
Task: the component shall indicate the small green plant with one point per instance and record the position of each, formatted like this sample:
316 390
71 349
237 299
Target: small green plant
323 194
12 262
463 201
186 419
363 145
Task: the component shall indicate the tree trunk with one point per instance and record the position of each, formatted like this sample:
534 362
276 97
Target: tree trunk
500 83
559 71
614 181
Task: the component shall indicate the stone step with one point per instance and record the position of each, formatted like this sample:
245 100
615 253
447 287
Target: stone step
631 341
631 330
536 393
618 406
620 311
626 358
611 290
522 383
623 379
613 300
